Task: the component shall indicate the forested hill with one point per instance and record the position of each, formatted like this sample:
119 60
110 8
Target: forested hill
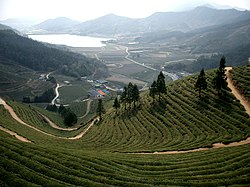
35 55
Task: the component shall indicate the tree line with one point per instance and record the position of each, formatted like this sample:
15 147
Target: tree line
131 94
219 81
69 117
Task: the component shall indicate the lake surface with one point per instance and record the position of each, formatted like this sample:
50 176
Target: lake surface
70 40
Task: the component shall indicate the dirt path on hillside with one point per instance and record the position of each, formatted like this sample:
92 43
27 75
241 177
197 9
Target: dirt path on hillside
88 108
84 132
22 139
55 126
235 92
215 146
14 116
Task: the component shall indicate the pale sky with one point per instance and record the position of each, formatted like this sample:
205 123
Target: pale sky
83 10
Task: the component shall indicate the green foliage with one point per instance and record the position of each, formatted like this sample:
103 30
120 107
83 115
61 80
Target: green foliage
201 83
52 108
153 90
70 118
116 104
124 96
219 81
130 94
161 85
100 109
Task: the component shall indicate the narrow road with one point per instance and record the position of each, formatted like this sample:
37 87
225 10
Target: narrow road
89 101
57 94
172 75
15 117
235 92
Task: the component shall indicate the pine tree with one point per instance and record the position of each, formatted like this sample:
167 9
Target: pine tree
116 104
201 83
135 94
124 96
100 109
153 90
130 94
161 86
219 81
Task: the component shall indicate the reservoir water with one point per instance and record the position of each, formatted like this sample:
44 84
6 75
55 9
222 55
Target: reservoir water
70 40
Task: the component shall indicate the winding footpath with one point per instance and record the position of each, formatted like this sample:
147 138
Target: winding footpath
89 101
14 116
235 92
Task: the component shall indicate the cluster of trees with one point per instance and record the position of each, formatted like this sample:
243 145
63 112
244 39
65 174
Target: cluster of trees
219 81
130 95
69 117
158 87
46 97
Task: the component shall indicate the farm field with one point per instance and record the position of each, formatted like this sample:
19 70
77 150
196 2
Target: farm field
107 155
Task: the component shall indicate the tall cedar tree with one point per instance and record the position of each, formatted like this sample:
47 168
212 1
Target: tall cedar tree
116 105
161 86
100 109
130 94
153 90
124 96
220 79
201 83
135 94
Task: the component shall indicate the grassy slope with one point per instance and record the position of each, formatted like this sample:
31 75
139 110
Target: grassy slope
182 122
241 78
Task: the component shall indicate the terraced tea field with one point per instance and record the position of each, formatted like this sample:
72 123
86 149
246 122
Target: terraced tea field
107 154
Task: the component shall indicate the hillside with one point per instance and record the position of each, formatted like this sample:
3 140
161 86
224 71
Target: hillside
105 155
35 55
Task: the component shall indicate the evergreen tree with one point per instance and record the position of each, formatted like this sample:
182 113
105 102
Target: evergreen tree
61 109
219 81
153 90
116 104
201 83
124 96
161 86
100 109
70 118
130 94
135 94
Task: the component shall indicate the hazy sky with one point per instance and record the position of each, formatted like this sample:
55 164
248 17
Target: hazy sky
83 10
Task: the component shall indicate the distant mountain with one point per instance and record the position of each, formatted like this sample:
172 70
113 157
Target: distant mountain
172 21
19 23
107 25
57 25
36 56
